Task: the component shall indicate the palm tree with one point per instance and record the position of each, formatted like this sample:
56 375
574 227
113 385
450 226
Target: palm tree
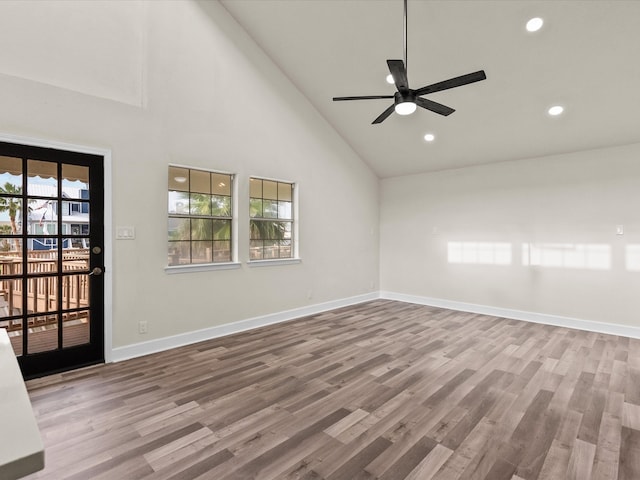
269 234
202 223
262 226
11 204
207 228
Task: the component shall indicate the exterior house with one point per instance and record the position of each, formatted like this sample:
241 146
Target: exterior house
43 217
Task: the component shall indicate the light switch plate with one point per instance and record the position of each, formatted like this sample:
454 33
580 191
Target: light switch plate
619 229
125 233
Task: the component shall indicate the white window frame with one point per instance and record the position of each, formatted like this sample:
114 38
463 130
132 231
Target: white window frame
295 227
204 267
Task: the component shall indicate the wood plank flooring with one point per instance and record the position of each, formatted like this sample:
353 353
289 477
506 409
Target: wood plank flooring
381 390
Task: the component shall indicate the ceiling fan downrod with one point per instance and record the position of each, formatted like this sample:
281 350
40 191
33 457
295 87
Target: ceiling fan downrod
406 64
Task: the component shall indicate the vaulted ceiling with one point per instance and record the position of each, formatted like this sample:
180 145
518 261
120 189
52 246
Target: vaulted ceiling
586 58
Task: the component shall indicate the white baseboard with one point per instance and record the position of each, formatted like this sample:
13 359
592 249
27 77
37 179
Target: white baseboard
160 344
556 320
167 343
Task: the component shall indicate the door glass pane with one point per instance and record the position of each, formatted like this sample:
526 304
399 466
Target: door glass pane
10 298
47 263
42 294
43 220
42 333
75 181
74 247
11 174
75 260
14 329
10 214
75 291
9 265
42 178
76 328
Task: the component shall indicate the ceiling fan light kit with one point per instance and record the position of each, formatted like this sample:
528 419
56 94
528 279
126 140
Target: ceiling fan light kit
404 104
407 100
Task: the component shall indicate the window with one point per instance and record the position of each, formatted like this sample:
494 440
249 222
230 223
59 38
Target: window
200 216
271 219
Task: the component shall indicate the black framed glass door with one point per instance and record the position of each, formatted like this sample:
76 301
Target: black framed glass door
51 257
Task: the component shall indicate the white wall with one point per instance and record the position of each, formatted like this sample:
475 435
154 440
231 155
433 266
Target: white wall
563 200
179 82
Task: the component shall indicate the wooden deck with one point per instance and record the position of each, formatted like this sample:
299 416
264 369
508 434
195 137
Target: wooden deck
45 338
382 390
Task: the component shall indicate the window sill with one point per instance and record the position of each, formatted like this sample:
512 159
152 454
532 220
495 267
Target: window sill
201 267
272 262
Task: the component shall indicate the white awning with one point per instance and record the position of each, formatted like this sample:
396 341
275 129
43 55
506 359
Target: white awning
42 169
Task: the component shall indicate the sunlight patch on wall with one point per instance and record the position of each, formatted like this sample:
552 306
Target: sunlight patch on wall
632 257
589 256
479 253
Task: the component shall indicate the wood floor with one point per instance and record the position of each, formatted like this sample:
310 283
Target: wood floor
381 390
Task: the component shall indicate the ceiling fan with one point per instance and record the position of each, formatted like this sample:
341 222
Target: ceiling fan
406 100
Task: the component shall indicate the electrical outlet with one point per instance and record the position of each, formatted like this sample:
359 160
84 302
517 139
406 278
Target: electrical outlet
142 326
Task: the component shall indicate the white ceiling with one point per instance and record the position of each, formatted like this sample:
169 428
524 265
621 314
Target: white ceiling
586 57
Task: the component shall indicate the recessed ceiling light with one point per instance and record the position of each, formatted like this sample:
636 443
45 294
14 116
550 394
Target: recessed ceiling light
429 137
555 110
180 179
390 79
534 24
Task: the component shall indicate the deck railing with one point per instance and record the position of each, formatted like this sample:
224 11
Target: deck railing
42 285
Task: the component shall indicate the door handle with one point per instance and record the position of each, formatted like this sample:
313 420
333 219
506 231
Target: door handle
97 271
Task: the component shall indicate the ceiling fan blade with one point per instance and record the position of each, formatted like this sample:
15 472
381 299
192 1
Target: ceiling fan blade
366 97
399 74
384 115
434 106
452 83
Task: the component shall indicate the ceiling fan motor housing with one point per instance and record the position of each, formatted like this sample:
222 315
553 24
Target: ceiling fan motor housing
402 97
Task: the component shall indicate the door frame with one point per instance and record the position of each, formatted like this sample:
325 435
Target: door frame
108 227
